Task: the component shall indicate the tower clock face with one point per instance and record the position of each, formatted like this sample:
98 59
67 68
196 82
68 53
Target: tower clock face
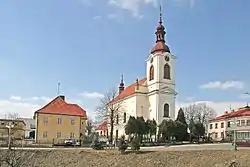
166 58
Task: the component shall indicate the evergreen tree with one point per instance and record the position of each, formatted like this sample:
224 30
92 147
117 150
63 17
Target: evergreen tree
181 116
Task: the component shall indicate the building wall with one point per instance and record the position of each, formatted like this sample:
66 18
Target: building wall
50 129
17 131
217 133
30 126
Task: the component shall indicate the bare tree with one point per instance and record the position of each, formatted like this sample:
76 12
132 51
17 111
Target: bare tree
12 116
199 113
110 110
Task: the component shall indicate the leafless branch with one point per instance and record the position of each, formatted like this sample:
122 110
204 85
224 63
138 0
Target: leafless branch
199 113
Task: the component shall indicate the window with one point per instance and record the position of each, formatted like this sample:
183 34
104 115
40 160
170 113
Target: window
45 134
125 117
216 125
166 71
222 125
166 110
45 120
238 123
59 120
248 122
72 122
216 135
211 126
229 124
117 119
242 123
72 135
59 135
151 73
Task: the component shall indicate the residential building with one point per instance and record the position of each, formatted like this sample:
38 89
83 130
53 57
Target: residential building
59 120
102 129
152 97
224 126
30 127
17 129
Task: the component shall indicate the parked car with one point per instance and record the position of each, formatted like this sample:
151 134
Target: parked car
71 142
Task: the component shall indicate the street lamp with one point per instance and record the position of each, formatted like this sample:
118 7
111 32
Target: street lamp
247 93
234 140
9 126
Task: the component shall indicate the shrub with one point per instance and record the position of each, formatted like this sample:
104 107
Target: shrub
97 145
135 144
122 145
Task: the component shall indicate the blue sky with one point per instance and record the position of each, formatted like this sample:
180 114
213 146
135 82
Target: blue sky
86 45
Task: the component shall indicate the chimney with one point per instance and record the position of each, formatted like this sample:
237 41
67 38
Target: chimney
62 97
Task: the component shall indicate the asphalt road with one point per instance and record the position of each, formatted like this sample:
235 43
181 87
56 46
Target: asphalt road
189 147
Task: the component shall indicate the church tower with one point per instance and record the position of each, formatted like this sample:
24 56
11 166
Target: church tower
161 78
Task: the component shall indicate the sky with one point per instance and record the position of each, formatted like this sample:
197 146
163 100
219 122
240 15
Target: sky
87 44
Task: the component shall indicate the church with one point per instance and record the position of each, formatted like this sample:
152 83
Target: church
152 97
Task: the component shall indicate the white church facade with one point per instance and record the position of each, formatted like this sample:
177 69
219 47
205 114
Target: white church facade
152 97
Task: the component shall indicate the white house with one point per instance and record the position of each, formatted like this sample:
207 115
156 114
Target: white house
152 97
224 126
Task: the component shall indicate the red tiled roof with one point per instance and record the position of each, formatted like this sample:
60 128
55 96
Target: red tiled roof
102 126
59 106
130 90
245 111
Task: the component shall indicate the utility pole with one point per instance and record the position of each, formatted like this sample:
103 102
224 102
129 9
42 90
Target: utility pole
248 94
9 126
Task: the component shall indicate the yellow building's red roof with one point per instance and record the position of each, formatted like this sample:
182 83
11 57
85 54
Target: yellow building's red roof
61 107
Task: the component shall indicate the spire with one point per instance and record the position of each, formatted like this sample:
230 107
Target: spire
160 15
121 87
160 37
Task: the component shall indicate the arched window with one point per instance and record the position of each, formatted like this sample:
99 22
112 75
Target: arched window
151 73
167 71
166 110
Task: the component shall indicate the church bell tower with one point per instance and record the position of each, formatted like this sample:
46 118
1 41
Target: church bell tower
161 78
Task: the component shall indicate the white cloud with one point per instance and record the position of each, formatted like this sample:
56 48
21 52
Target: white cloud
16 98
220 107
92 95
132 6
245 96
223 85
23 109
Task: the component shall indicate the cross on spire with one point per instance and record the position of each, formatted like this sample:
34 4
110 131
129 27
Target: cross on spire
160 15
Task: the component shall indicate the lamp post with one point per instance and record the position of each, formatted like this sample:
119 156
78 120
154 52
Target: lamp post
234 140
9 126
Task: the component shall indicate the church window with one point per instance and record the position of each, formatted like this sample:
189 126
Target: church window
166 110
166 71
151 73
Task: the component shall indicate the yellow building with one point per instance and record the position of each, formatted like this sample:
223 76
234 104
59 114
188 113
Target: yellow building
59 120
17 129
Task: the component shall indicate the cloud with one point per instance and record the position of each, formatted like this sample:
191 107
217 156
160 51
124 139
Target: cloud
16 98
92 95
23 109
220 107
132 6
223 85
